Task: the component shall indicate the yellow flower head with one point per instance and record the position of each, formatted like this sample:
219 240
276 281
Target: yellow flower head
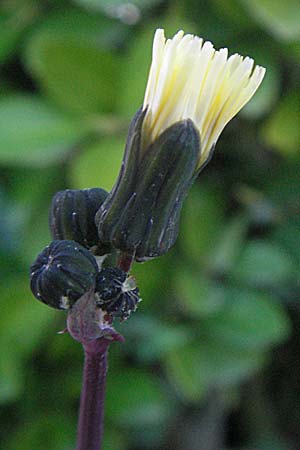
189 79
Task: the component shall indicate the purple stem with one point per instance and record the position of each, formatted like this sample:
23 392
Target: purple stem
90 423
124 262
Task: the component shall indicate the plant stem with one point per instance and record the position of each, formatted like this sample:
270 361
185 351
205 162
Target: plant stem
90 423
124 262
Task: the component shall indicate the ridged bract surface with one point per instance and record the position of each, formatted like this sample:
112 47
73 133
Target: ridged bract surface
62 273
72 215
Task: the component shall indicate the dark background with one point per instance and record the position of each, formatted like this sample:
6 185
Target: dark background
212 356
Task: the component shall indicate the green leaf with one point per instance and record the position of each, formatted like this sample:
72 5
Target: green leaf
150 340
56 428
264 264
13 21
34 133
201 222
229 244
78 76
23 322
11 376
198 296
282 129
117 8
196 368
288 237
136 399
113 439
134 73
249 321
22 336
98 164
279 18
79 26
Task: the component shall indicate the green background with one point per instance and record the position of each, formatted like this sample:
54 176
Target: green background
211 358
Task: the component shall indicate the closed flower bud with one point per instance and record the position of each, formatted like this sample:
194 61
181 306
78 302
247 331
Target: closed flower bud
115 293
72 215
62 273
141 214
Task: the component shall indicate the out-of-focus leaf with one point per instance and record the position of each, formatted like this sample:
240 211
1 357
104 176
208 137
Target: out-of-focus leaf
34 133
98 164
113 440
117 8
197 296
78 26
11 376
151 278
13 21
264 264
35 236
282 131
229 245
136 399
78 76
134 73
24 319
249 321
287 235
233 14
198 367
23 322
56 428
201 222
150 340
280 18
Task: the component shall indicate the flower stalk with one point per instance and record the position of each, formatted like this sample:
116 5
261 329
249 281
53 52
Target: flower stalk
91 412
87 324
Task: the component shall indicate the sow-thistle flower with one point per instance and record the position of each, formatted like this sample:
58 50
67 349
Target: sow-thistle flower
189 79
193 91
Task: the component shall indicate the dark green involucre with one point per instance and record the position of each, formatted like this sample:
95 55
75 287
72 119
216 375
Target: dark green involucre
141 214
62 273
72 216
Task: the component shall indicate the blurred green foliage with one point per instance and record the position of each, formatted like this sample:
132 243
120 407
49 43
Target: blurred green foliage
211 358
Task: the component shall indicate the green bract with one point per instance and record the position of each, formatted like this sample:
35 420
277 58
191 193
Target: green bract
141 214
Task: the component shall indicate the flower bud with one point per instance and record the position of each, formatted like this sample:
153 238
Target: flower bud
115 293
141 214
62 273
72 215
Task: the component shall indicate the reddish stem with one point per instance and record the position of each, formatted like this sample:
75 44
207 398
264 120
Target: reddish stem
90 424
124 262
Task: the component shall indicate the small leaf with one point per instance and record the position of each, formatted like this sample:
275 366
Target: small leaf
194 369
78 76
279 18
150 340
201 222
98 165
248 321
264 264
229 244
198 296
114 7
34 133
282 130
13 21
136 399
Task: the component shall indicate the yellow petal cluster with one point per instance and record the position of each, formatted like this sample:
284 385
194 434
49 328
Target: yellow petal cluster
189 79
